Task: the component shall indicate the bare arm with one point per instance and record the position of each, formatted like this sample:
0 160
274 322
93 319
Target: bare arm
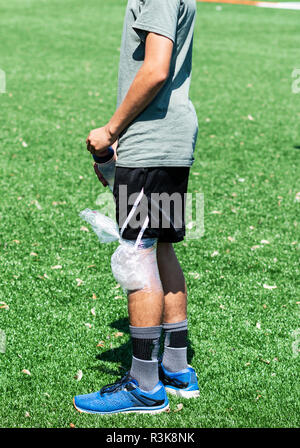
144 88
147 83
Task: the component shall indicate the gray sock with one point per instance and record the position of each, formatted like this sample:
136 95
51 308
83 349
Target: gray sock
175 348
145 346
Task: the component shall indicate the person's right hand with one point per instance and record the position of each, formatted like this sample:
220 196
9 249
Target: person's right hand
100 176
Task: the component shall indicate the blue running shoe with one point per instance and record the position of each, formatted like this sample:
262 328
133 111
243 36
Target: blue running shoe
183 383
124 396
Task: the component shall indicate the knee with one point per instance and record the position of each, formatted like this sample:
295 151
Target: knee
136 268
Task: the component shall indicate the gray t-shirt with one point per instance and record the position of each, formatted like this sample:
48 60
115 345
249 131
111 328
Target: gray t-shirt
165 133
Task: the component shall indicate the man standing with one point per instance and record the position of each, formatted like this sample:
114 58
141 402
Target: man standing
156 127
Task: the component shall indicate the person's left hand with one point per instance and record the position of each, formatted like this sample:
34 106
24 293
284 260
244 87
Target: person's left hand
99 140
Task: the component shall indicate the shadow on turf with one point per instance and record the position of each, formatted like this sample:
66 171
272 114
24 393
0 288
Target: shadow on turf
122 354
297 146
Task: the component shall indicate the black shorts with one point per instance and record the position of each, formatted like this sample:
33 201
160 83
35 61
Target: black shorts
162 192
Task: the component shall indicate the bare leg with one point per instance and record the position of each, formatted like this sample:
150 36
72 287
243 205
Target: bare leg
145 308
174 357
173 282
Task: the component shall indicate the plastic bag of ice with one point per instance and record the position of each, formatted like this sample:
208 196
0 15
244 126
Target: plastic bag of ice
105 228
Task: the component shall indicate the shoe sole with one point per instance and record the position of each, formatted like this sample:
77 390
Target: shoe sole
142 411
183 393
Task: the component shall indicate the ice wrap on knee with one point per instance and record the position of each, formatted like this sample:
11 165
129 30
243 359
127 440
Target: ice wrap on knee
135 268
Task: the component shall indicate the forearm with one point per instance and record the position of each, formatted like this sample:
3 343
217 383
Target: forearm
147 83
142 91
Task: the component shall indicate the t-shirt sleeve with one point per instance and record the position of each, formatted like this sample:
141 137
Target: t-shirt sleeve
157 16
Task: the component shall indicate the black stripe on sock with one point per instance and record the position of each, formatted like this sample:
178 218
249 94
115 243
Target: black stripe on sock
143 348
178 339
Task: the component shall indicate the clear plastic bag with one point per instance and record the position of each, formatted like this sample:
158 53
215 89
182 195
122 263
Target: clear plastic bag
105 228
133 268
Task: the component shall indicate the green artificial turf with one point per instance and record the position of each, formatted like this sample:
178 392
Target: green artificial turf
61 63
